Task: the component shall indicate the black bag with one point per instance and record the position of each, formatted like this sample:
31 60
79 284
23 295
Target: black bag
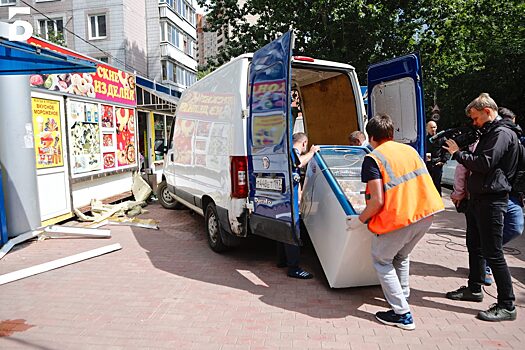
461 207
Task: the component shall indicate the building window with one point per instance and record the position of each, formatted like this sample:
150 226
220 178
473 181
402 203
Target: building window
169 2
189 47
97 26
171 34
176 74
104 59
7 2
48 29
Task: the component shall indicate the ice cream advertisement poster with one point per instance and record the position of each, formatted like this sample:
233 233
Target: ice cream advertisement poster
269 96
126 151
106 84
268 130
46 128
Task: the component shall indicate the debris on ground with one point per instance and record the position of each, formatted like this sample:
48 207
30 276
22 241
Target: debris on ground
141 189
122 213
103 211
57 231
18 239
51 265
145 223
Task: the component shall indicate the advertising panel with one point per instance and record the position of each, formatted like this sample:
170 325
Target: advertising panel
107 84
126 150
46 128
84 137
101 137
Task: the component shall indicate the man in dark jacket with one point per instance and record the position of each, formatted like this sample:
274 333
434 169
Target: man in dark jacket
434 161
493 166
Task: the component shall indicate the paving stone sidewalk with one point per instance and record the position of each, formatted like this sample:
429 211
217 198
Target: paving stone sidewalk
167 290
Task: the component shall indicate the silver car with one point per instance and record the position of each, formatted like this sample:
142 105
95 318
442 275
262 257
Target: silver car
447 180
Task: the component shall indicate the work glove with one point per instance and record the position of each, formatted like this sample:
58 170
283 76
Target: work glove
353 223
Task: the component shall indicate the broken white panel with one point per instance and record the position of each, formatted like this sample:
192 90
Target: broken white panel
81 231
55 264
18 239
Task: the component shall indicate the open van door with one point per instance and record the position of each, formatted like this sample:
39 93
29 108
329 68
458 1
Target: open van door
395 87
275 212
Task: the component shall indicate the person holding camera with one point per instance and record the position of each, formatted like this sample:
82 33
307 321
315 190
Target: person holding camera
492 167
434 160
513 223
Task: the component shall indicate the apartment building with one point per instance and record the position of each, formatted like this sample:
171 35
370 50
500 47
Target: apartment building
172 45
211 43
156 39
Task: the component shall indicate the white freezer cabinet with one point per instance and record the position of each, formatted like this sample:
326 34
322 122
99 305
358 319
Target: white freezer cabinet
332 191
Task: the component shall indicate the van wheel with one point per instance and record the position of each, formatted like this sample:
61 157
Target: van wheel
213 230
165 198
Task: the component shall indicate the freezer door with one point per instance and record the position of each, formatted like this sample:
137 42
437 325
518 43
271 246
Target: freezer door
395 88
275 204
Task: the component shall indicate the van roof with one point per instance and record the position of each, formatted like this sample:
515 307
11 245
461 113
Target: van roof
316 63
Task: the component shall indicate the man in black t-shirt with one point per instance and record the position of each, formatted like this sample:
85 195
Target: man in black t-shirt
433 160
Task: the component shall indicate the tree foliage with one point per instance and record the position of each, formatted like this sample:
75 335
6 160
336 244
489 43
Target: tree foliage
467 46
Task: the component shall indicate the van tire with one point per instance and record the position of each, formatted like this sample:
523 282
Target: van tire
213 230
165 198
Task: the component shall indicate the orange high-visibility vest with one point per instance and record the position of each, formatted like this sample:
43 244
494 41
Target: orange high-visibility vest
409 193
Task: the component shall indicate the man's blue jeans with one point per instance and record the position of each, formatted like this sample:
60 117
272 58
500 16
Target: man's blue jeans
514 223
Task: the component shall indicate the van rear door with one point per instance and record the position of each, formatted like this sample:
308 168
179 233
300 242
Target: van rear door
395 87
275 212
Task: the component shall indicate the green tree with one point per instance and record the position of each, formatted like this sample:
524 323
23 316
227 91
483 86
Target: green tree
466 46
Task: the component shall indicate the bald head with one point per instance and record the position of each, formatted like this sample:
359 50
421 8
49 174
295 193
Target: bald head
431 128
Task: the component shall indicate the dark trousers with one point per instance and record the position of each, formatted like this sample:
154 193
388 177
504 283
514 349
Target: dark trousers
288 253
485 240
436 172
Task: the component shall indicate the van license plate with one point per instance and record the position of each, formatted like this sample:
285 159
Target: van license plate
265 183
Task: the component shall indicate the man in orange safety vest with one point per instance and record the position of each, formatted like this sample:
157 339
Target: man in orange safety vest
401 200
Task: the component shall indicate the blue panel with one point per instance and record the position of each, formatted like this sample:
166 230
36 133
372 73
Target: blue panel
162 88
145 82
269 131
364 90
397 68
17 58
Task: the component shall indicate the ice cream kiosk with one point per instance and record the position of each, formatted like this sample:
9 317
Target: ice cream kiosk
84 132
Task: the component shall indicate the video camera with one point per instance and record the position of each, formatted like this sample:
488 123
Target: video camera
463 136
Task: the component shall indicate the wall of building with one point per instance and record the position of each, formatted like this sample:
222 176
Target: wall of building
153 40
114 42
135 40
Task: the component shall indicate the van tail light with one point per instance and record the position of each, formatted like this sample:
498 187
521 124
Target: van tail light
239 175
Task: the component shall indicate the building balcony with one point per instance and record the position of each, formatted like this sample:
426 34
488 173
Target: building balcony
166 12
168 50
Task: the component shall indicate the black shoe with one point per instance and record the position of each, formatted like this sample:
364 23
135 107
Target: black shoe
497 313
390 318
300 273
465 294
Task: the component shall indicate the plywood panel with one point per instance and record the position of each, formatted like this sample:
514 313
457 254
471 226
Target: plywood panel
329 110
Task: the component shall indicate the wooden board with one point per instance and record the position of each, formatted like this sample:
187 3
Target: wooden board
329 109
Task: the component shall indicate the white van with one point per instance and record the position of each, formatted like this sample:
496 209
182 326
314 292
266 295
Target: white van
229 158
